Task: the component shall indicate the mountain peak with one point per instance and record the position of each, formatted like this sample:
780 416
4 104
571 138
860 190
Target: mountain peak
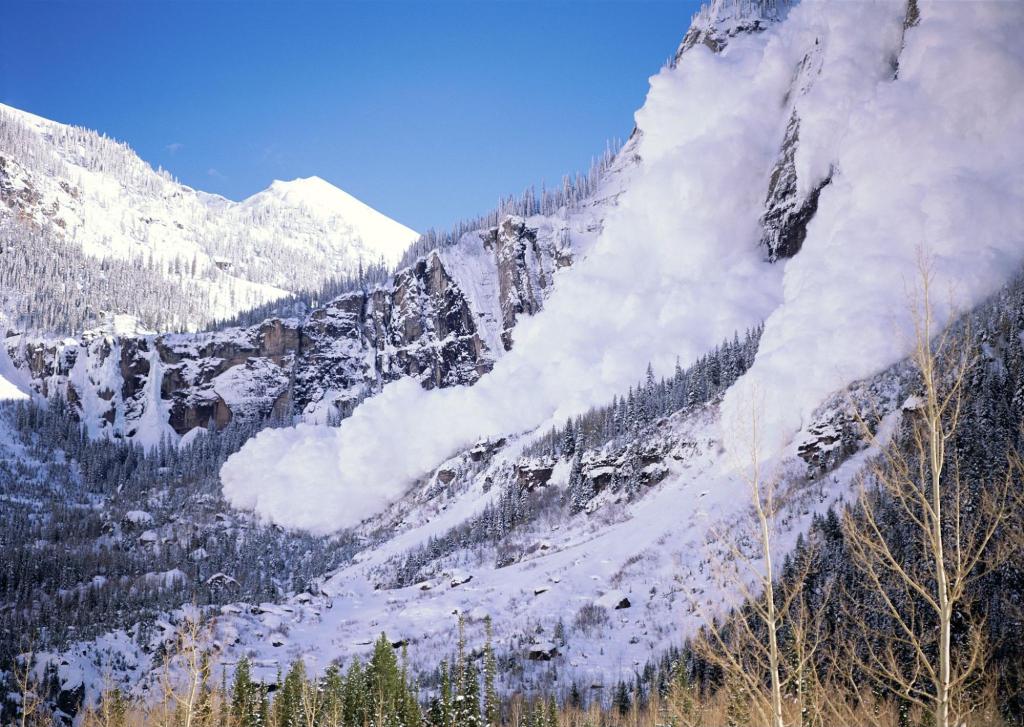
719 20
323 200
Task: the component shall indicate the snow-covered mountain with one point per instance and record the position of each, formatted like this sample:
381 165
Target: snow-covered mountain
793 173
442 321
97 195
753 242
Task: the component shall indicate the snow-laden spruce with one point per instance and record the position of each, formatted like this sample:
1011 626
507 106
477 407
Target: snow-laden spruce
919 131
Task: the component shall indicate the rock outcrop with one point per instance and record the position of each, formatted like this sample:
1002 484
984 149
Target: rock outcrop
721 20
423 325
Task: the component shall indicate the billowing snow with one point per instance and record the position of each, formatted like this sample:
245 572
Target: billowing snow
681 239
932 163
931 158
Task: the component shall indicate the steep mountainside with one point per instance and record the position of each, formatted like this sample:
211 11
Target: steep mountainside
747 255
442 321
99 197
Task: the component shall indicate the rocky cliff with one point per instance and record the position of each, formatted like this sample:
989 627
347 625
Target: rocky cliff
443 320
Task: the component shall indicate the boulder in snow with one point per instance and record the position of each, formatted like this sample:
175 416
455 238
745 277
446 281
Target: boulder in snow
613 600
542 651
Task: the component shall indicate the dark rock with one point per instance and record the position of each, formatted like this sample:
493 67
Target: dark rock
532 474
544 651
787 215
420 325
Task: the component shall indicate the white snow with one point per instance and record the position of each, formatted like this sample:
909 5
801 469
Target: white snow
13 383
653 552
138 517
931 162
97 193
154 424
374 235
675 271
612 600
934 157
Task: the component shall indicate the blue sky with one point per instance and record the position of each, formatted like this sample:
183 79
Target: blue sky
427 111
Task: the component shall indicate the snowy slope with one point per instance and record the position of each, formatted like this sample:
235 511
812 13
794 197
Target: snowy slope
540 584
678 264
844 130
98 194
371 235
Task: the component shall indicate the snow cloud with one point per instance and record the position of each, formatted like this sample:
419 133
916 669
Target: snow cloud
933 161
677 268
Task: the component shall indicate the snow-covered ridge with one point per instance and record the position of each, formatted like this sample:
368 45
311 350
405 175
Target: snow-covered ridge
99 195
440 322
680 265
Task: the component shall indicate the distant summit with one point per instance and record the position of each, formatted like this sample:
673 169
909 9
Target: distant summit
93 198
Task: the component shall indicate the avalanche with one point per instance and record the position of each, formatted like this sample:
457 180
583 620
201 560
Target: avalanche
678 268
930 164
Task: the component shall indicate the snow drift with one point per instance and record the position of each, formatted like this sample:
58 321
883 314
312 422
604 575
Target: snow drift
677 267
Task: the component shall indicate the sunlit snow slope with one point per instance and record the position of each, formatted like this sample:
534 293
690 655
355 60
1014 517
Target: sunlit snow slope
98 194
914 133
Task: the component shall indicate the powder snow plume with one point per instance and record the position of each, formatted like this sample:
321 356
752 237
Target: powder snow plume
932 164
678 268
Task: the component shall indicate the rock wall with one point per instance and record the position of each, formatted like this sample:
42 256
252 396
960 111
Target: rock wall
422 325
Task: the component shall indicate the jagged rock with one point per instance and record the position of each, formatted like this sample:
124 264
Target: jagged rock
787 214
613 600
542 651
600 474
521 274
534 474
420 326
721 20
483 450
445 476
653 473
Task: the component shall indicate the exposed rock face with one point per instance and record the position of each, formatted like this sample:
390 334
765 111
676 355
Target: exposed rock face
721 20
524 271
422 325
791 203
787 212
533 474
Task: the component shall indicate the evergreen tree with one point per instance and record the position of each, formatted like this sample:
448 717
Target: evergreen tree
356 700
385 688
246 697
288 700
492 707
446 706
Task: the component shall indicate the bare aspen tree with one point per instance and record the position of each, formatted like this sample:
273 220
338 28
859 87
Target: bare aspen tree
311 702
112 709
184 679
31 706
953 527
747 646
